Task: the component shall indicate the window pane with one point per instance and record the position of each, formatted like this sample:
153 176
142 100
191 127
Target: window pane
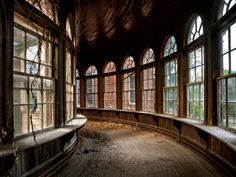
48 84
48 97
222 90
46 53
36 117
20 81
20 97
190 93
233 36
173 80
21 121
199 73
232 115
231 90
48 115
19 65
19 43
199 57
45 71
35 83
233 61
31 68
225 42
191 60
110 92
192 75
222 116
32 47
170 46
202 92
196 92
226 64
35 97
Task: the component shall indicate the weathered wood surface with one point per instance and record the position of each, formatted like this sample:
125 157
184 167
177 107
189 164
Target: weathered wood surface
110 149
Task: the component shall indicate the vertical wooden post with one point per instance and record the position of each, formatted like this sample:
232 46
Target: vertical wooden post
1 68
211 75
159 83
100 90
182 64
138 85
118 88
7 91
61 97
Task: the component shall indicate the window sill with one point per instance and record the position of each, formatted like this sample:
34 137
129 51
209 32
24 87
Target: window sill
44 137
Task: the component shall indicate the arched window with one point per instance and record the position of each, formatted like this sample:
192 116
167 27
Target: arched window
48 7
196 29
170 90
227 5
195 83
109 86
148 81
77 88
91 87
128 96
227 79
170 47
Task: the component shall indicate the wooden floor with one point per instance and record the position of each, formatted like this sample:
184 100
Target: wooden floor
109 150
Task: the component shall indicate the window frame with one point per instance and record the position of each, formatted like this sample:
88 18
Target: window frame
105 75
192 46
70 87
21 24
144 67
225 77
94 79
167 59
126 73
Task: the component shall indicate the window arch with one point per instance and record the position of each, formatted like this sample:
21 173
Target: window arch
170 90
195 80
91 87
227 79
129 63
170 46
148 57
91 71
196 29
148 81
110 67
109 86
128 91
226 6
48 7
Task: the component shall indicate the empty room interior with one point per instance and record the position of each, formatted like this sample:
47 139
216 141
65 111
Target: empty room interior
122 88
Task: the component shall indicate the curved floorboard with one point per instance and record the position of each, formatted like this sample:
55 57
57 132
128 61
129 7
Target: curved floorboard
121 151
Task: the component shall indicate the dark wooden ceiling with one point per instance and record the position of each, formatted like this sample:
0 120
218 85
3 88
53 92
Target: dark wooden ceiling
101 23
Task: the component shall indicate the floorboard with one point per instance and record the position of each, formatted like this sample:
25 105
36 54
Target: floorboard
123 151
